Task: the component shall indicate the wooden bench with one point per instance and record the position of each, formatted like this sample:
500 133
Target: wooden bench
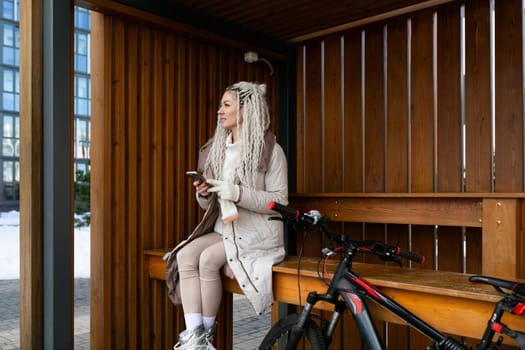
456 303
445 300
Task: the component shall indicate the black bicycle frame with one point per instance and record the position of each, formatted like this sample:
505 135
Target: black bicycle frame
352 288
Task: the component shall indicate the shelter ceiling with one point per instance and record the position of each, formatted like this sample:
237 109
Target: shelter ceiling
291 19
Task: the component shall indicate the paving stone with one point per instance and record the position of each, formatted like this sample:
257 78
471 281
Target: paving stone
248 328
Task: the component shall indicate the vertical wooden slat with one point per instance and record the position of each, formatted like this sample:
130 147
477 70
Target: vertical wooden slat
100 322
422 113
134 268
353 124
374 132
396 166
145 218
183 193
449 100
332 116
312 114
300 126
509 96
31 168
422 131
477 114
118 251
332 166
449 124
397 104
477 104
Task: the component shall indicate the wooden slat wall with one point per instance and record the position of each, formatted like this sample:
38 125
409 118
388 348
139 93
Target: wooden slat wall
156 96
386 107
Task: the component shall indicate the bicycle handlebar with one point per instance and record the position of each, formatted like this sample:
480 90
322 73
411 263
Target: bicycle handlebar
314 218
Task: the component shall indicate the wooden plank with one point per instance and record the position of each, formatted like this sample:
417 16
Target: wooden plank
31 167
333 121
134 267
477 99
407 210
312 115
397 108
374 126
300 125
422 117
449 122
353 161
509 97
501 226
101 184
118 277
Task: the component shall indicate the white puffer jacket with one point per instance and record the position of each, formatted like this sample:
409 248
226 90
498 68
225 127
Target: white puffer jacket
253 243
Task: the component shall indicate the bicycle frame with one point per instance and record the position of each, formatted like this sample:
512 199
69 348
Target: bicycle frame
352 289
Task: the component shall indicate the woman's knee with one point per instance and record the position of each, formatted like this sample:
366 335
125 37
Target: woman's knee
186 259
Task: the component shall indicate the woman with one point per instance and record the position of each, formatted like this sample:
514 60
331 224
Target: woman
245 169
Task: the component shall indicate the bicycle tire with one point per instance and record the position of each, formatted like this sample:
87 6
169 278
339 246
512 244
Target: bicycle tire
278 333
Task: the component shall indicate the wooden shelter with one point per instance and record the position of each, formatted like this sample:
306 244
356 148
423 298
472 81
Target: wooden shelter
387 98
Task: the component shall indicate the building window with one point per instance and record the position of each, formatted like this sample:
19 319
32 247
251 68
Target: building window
82 138
10 45
11 10
82 19
82 96
10 90
81 52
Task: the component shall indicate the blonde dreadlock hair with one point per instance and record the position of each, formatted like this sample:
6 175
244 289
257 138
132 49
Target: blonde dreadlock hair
251 101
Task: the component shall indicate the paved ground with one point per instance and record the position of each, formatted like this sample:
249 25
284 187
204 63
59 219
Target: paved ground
248 329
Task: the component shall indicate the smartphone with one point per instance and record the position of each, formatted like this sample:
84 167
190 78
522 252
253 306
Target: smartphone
195 175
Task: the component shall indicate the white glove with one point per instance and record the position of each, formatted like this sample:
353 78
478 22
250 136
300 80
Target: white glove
225 190
228 211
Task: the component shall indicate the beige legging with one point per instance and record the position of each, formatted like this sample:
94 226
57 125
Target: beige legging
200 263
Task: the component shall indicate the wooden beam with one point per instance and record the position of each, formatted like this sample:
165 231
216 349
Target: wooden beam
395 210
501 226
31 185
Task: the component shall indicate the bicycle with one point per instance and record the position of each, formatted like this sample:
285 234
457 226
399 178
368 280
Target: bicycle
346 290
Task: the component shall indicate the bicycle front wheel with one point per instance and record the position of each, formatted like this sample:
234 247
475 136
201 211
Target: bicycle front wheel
280 332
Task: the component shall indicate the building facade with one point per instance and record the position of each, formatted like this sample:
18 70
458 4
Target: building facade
10 99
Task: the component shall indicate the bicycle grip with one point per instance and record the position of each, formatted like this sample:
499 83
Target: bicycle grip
283 209
410 255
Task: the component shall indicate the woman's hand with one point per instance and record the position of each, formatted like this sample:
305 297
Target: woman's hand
225 190
202 188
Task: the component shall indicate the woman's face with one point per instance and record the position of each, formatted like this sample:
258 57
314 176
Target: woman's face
227 113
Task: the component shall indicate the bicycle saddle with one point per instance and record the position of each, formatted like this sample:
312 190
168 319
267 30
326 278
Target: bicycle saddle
518 288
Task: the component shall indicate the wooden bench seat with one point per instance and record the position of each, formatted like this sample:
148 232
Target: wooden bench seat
445 300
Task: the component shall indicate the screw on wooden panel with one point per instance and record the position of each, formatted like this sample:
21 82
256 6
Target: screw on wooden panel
498 204
480 220
335 214
498 222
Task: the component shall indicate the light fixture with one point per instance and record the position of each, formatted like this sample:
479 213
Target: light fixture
251 57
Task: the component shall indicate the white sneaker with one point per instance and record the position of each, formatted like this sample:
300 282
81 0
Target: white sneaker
210 333
195 339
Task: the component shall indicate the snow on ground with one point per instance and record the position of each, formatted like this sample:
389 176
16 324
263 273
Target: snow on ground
10 247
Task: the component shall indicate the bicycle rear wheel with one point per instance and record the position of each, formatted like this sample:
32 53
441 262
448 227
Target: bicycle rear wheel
280 331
